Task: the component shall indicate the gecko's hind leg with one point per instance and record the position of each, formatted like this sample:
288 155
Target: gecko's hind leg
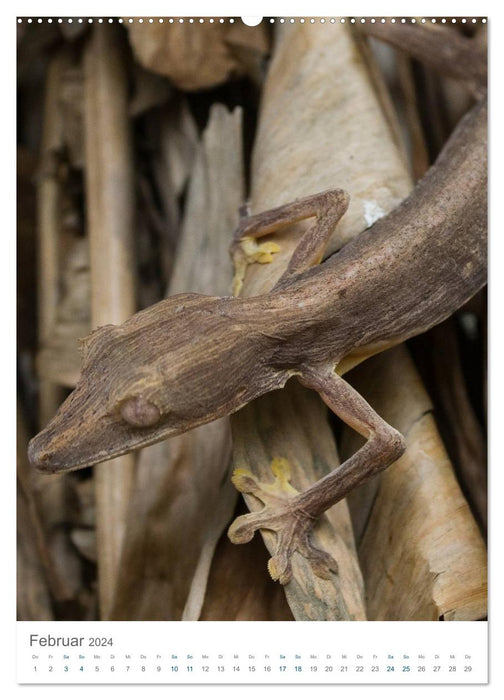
292 515
328 208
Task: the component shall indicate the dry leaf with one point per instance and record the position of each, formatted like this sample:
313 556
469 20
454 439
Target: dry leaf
110 215
459 425
196 56
72 108
239 587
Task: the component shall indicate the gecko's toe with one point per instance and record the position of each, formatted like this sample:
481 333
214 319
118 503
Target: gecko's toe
280 568
242 530
321 562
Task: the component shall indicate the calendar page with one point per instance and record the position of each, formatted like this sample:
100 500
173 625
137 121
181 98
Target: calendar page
251 349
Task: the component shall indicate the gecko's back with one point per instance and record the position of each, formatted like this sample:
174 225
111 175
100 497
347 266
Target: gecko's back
394 281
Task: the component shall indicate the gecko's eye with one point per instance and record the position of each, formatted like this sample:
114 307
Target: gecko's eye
139 412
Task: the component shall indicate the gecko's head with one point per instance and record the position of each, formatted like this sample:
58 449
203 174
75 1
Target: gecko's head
183 362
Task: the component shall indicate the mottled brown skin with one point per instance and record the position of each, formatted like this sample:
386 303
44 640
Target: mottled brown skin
191 359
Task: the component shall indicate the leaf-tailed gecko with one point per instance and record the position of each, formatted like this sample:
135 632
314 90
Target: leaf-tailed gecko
191 359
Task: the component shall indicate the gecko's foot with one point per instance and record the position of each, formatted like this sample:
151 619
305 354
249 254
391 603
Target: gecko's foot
282 515
244 252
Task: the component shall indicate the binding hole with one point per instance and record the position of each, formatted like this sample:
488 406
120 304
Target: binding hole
251 21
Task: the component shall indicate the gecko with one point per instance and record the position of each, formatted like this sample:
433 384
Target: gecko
192 358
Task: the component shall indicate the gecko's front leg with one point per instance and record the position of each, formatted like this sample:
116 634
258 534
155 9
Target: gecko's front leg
292 515
327 207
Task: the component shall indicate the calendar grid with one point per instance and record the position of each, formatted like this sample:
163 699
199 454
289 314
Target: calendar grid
202 653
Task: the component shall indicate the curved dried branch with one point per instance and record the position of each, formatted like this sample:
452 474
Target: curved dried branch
441 48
